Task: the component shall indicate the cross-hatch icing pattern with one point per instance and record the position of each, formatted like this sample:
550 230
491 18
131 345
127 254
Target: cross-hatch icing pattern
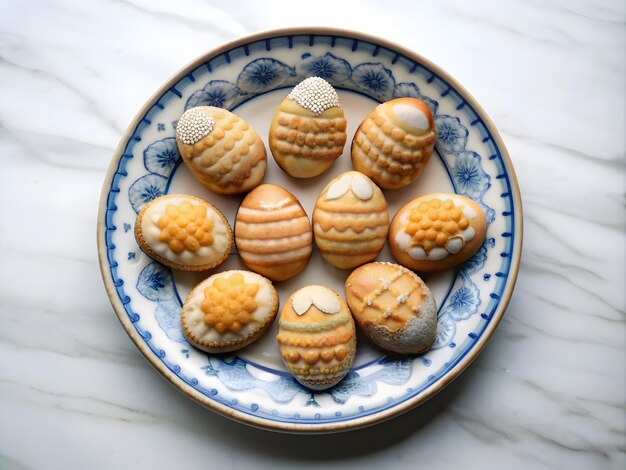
434 223
185 227
229 303
386 284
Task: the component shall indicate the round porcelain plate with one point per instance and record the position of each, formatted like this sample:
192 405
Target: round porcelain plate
251 76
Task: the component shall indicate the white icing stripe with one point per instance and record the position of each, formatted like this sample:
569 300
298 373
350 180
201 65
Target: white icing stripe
322 297
268 225
285 212
279 258
413 116
250 244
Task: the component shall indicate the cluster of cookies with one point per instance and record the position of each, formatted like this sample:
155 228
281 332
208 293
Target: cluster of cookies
274 237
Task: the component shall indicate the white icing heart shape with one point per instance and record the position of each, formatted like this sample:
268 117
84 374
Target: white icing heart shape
322 297
360 185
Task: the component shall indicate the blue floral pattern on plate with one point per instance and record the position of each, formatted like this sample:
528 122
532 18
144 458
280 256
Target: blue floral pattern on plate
266 71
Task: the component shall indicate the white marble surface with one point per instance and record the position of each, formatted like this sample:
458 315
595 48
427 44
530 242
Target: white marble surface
549 389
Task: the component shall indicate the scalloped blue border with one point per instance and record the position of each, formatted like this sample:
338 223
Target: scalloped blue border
445 89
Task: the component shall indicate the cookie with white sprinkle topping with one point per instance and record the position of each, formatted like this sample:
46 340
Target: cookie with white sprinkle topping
308 132
221 150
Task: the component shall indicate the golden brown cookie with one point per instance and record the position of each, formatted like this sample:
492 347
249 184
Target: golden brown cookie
350 220
308 131
221 150
183 232
317 337
394 142
437 231
273 233
228 311
393 306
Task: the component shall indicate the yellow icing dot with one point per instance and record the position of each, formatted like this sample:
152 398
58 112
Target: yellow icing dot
432 223
229 303
180 227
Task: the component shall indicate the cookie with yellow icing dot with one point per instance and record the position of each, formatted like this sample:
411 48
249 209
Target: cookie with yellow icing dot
228 311
221 150
394 142
308 131
317 337
393 306
183 232
436 232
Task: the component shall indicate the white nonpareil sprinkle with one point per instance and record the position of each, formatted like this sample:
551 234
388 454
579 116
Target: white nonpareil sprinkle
402 298
387 313
315 94
193 125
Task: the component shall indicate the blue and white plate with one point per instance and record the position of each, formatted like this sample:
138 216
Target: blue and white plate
251 76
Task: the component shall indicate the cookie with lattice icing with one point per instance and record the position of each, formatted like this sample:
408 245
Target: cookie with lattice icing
394 142
350 220
308 131
273 233
437 231
317 337
228 311
184 232
393 307
221 150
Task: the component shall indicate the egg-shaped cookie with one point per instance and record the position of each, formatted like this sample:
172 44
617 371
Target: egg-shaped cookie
394 142
228 311
184 232
273 233
221 150
308 131
317 337
393 306
350 220
437 231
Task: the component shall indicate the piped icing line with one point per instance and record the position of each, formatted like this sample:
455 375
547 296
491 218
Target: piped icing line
315 94
322 297
359 184
193 126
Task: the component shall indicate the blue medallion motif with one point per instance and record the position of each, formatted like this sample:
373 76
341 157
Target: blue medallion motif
374 80
451 134
218 93
263 75
330 68
161 156
145 189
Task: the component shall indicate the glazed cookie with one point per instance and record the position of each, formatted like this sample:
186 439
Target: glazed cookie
228 311
273 233
308 131
393 306
183 232
317 337
394 142
221 150
350 220
437 231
